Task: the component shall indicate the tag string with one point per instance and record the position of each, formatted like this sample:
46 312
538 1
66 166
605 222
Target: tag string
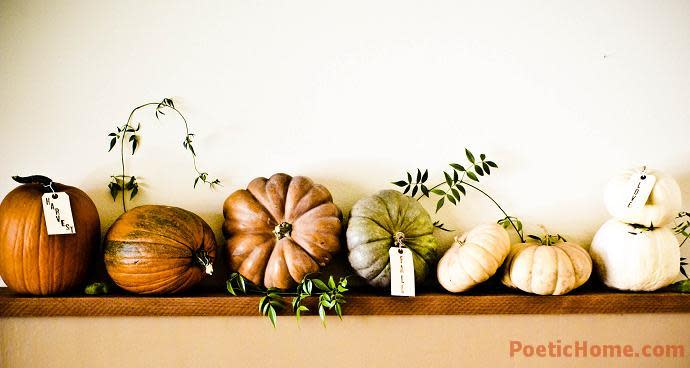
643 175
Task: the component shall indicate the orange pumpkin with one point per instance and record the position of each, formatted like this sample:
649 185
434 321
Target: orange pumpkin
280 229
159 250
33 262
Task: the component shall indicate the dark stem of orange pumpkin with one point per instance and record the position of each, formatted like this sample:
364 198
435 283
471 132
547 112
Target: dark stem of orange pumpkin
282 230
203 260
33 179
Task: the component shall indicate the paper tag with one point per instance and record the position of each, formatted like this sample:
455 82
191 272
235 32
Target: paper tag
58 213
639 189
402 271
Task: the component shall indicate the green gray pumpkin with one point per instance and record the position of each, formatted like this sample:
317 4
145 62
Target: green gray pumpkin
374 223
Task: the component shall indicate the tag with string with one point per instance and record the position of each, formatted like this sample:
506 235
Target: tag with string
639 189
402 268
57 212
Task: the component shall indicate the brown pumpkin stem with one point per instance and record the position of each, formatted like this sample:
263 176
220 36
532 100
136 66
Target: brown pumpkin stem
202 259
33 179
399 239
282 230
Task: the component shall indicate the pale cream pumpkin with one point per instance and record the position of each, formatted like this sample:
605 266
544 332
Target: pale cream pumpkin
628 257
547 269
663 203
473 258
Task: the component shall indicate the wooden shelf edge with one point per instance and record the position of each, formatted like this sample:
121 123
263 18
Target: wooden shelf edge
589 302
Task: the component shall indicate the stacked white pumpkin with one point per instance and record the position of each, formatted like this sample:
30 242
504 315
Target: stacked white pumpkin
636 250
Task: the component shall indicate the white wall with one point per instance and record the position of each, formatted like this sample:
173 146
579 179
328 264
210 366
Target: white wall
561 95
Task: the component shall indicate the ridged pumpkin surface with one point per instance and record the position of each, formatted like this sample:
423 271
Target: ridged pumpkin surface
374 223
33 262
274 256
153 249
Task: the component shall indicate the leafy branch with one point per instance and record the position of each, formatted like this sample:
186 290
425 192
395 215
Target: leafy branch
330 296
455 185
127 132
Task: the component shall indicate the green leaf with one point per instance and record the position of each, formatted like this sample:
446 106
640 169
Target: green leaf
409 178
461 189
331 283
682 286
449 180
134 192
425 176
450 199
400 183
262 301
414 191
456 194
130 183
492 164
320 284
425 190
339 311
112 144
419 176
487 169
439 204
322 315
478 170
241 283
115 188
458 167
482 157
298 312
228 285
135 142
469 155
471 175
308 286
455 177
406 190
97 288
272 316
438 192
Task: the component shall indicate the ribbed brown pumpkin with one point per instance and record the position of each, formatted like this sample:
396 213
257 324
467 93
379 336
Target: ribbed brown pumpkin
281 229
33 262
159 250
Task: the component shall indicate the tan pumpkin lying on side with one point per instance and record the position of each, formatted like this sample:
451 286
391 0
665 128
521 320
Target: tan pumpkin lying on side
473 258
548 268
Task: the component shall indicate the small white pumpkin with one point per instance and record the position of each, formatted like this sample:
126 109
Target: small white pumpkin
663 204
627 257
547 268
473 258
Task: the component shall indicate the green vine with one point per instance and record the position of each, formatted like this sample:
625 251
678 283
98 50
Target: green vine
123 183
455 185
330 296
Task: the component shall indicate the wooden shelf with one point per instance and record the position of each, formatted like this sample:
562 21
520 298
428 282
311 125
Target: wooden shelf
217 304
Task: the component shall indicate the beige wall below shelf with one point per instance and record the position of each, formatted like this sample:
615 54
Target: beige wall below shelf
357 341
